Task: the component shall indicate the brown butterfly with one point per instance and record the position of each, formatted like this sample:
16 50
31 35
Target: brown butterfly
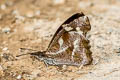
69 45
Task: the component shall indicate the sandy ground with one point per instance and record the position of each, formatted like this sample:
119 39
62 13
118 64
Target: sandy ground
32 23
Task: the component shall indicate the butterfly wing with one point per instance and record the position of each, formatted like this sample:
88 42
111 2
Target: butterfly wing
69 44
60 30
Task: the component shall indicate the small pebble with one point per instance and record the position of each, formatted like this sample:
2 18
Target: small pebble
109 31
37 13
64 67
58 2
5 49
117 50
20 17
30 14
3 6
19 77
118 54
15 12
6 30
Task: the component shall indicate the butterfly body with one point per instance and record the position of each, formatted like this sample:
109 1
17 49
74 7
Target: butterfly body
69 45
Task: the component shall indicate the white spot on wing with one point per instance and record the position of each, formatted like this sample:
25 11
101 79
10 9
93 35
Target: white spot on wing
78 28
62 50
85 18
60 41
79 31
68 28
76 45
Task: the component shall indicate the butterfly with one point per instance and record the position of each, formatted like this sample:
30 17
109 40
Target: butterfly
69 45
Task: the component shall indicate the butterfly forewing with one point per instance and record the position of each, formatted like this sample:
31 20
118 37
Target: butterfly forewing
60 30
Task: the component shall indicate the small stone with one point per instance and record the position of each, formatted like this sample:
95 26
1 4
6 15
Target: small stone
37 13
64 67
3 6
5 49
110 31
118 50
119 54
19 77
58 2
30 14
6 30
20 17
15 12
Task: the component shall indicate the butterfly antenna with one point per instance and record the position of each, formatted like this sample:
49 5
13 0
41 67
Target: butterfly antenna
34 53
22 54
23 49
26 49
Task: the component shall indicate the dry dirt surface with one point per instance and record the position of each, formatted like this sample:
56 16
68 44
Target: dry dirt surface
32 23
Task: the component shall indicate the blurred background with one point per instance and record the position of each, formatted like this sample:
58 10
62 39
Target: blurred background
32 23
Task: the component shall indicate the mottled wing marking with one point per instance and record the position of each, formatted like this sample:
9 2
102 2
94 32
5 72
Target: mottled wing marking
62 50
60 30
67 28
60 41
76 46
69 45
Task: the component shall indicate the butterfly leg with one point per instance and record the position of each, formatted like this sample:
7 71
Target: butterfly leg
46 63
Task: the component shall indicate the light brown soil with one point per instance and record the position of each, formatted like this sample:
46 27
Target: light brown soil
32 23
